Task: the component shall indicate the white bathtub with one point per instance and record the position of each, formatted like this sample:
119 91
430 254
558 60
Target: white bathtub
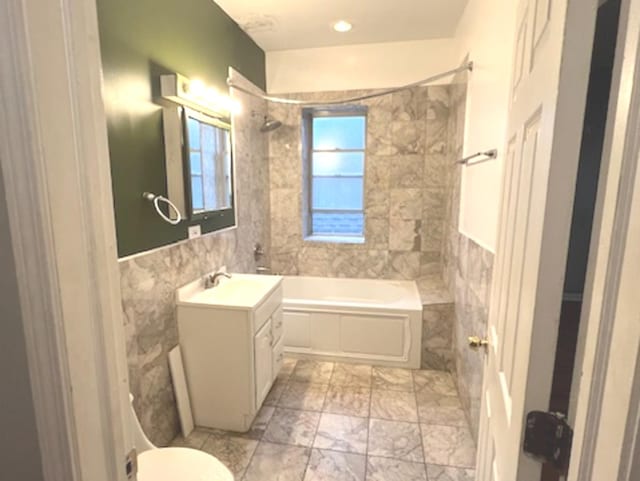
357 320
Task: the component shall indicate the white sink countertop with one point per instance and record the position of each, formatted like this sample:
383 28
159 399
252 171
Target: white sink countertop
242 291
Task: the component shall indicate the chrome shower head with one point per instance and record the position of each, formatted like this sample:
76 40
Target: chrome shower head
270 124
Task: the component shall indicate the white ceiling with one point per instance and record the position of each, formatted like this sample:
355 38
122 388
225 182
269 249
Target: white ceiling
297 24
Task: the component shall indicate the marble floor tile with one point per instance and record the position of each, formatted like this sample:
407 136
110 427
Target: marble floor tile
439 382
359 424
290 426
392 378
448 473
259 425
354 375
384 469
312 371
304 396
351 401
279 386
288 365
332 466
277 462
448 446
342 433
394 405
234 452
195 440
395 439
438 409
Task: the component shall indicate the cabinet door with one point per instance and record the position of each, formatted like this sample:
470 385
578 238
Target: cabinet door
263 362
278 357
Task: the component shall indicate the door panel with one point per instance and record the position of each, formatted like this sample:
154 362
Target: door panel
377 335
553 40
297 329
514 286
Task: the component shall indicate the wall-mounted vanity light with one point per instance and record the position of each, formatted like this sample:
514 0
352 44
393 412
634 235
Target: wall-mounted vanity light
195 94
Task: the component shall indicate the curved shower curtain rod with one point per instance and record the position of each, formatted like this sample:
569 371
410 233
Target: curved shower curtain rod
468 66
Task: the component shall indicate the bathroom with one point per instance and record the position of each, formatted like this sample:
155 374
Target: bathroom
409 200
410 203
391 277
324 334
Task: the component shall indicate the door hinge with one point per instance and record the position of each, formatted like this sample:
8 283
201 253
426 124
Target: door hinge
547 438
131 464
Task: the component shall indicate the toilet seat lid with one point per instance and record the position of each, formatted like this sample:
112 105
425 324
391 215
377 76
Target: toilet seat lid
180 464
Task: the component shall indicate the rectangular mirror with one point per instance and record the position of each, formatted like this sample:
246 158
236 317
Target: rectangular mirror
208 166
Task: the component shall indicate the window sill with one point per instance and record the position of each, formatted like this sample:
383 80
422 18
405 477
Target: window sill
335 239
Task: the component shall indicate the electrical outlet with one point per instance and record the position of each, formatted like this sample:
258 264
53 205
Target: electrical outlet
194 231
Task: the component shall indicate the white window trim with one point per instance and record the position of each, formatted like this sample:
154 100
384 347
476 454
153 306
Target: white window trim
307 118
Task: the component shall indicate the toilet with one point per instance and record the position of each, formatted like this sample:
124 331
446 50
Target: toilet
174 464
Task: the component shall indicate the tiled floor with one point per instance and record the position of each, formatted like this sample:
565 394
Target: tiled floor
326 421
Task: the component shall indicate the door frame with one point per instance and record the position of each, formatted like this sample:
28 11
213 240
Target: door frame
53 121
613 223
55 164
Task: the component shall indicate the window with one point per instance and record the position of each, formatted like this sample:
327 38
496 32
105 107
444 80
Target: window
208 148
335 172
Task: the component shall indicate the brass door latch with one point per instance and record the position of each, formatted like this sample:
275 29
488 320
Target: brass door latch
476 342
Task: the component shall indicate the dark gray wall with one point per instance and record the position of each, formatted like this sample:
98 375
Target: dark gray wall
19 450
140 40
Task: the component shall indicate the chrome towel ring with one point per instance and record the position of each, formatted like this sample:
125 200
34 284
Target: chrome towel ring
156 199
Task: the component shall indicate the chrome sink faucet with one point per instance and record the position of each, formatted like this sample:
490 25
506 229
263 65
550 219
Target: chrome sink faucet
212 280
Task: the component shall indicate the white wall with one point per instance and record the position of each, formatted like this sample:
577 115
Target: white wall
350 67
487 34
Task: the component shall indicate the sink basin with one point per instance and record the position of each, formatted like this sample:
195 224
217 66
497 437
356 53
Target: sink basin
242 291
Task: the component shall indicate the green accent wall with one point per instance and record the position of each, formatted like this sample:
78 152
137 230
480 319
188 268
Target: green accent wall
140 40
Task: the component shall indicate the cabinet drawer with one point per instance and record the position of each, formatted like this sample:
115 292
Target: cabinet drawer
267 308
278 357
277 324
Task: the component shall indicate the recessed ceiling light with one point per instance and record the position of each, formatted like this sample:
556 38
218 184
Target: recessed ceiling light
342 26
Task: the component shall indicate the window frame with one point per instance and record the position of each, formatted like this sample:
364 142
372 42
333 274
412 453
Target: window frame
221 218
309 114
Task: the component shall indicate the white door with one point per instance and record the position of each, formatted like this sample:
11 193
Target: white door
551 70
617 426
606 443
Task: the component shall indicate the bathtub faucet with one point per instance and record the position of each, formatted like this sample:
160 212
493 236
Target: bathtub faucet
212 280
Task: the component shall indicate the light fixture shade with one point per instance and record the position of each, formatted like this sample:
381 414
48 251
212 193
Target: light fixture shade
179 89
342 26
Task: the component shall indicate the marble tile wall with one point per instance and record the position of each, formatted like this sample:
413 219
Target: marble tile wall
472 296
405 190
149 280
467 270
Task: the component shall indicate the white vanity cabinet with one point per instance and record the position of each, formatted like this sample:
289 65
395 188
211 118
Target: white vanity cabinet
232 348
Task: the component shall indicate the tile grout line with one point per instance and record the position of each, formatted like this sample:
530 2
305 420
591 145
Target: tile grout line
315 434
265 429
261 437
366 451
424 458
